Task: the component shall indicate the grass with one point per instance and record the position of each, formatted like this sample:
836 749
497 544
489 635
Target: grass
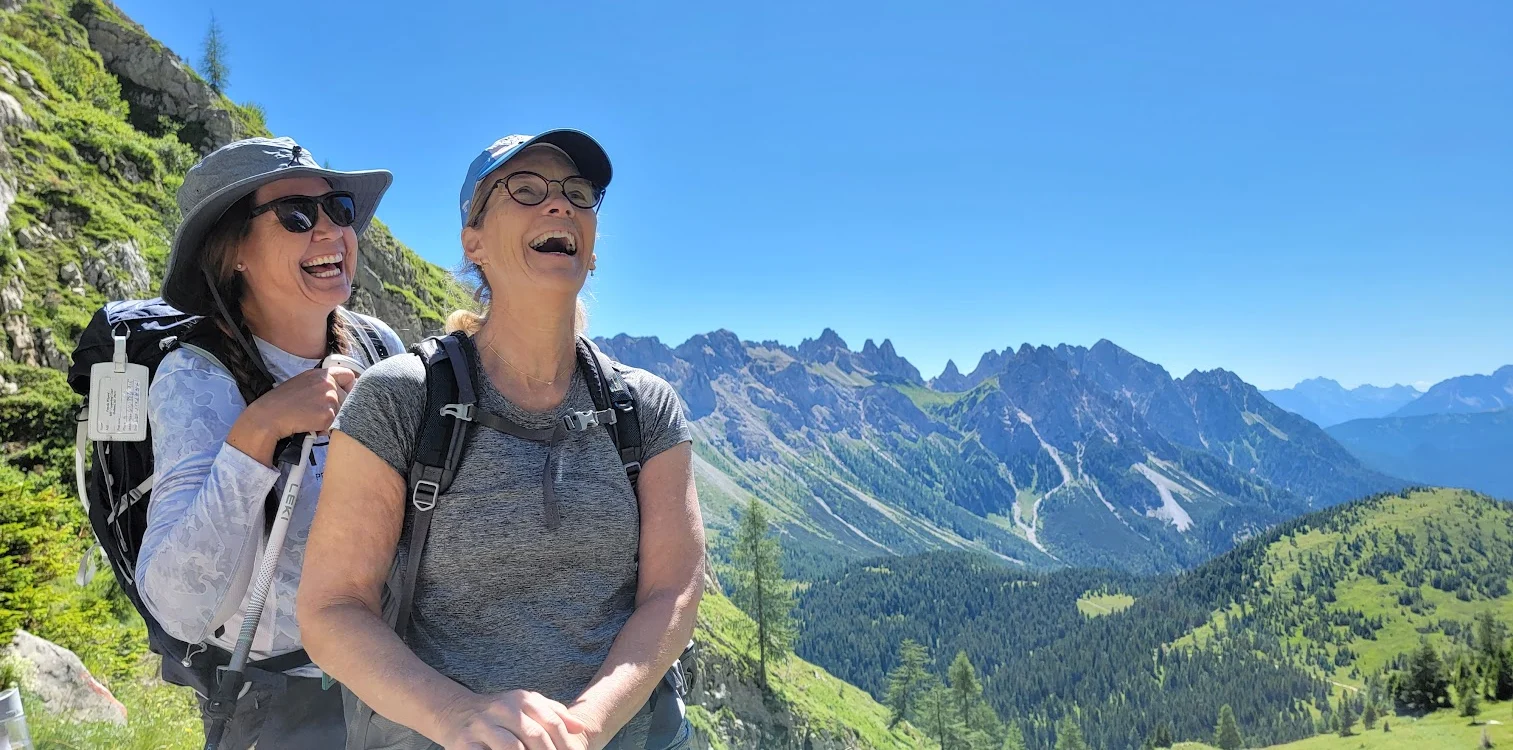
1473 521
828 704
159 716
1098 605
1440 730
929 400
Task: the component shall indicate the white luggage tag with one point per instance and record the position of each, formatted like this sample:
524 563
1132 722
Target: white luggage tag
118 398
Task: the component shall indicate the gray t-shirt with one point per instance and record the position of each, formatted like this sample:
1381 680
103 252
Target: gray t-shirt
503 602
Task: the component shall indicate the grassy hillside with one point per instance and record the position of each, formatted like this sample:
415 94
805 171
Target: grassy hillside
1349 590
804 695
1442 730
1280 628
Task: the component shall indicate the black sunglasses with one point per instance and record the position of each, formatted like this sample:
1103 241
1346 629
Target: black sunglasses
297 213
531 189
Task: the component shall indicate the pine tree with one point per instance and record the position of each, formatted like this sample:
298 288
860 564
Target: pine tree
1347 717
1069 735
938 716
1014 738
1468 695
761 589
1489 637
906 679
1227 734
1163 736
1500 676
966 692
1424 687
1368 718
213 64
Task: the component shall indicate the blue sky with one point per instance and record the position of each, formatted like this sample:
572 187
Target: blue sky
1281 189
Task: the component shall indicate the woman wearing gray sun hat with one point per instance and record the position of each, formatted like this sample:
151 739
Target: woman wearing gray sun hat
266 252
548 602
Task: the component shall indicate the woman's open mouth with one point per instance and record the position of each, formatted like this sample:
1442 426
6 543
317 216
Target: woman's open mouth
557 241
324 266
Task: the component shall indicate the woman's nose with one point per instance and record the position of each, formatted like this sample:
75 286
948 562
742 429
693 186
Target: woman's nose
325 228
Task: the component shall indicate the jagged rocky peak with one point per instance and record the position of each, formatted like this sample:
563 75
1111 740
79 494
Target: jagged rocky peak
824 348
644 352
950 379
887 366
719 351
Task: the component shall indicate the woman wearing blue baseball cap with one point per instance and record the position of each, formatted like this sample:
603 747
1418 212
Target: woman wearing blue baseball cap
523 505
266 252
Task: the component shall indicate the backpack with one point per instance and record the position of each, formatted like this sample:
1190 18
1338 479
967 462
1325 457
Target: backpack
451 411
117 484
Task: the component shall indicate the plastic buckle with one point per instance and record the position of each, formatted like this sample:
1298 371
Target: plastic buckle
431 488
579 421
463 412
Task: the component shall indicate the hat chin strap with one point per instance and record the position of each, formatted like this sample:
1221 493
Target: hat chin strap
236 330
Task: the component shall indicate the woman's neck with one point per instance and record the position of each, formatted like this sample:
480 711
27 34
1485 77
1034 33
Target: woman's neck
534 343
301 332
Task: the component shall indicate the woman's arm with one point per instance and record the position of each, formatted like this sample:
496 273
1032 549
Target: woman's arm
205 516
347 560
667 597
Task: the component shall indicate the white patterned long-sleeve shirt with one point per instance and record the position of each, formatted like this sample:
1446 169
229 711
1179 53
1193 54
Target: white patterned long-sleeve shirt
206 528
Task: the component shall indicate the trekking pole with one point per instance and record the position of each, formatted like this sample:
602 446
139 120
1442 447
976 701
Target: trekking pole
229 682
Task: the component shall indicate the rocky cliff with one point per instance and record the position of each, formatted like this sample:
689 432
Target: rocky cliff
99 123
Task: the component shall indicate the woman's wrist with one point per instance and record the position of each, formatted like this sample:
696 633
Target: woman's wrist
448 710
592 716
254 435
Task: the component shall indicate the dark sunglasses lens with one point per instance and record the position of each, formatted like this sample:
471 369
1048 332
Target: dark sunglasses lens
341 208
297 215
581 192
526 188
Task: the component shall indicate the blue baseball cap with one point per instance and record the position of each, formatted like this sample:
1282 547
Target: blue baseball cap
585 152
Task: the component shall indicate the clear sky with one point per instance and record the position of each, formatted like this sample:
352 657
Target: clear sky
1282 189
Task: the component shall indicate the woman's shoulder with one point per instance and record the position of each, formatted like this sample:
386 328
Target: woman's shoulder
191 363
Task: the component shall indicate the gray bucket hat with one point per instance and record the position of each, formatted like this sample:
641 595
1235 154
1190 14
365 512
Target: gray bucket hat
227 175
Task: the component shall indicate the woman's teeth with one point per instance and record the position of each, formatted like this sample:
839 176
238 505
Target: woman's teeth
555 241
324 266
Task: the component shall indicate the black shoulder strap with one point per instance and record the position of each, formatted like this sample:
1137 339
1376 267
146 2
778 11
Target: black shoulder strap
609 390
438 451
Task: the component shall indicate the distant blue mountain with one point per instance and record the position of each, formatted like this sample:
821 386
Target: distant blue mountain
1471 450
1465 394
1325 402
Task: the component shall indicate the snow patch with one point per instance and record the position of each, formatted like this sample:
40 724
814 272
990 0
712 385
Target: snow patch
1170 511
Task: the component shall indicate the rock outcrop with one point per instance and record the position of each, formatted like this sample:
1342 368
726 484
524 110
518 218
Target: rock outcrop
59 680
155 82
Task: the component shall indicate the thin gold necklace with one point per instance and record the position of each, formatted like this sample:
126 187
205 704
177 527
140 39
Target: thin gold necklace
490 345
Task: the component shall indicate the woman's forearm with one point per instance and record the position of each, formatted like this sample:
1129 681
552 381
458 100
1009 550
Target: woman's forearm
350 642
648 644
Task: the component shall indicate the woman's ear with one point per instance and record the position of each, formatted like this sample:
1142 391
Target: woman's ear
472 245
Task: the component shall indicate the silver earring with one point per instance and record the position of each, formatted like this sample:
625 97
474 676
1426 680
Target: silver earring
240 267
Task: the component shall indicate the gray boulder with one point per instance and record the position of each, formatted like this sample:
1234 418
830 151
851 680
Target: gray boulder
61 683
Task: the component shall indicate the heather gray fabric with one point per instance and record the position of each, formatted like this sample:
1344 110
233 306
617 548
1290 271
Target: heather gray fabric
503 602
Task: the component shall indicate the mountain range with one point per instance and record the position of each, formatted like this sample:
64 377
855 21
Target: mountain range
1042 456
1325 402
1464 395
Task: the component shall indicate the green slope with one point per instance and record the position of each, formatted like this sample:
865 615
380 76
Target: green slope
1279 627
804 696
1442 730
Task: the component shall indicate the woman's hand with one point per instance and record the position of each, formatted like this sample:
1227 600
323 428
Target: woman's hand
307 402
511 721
